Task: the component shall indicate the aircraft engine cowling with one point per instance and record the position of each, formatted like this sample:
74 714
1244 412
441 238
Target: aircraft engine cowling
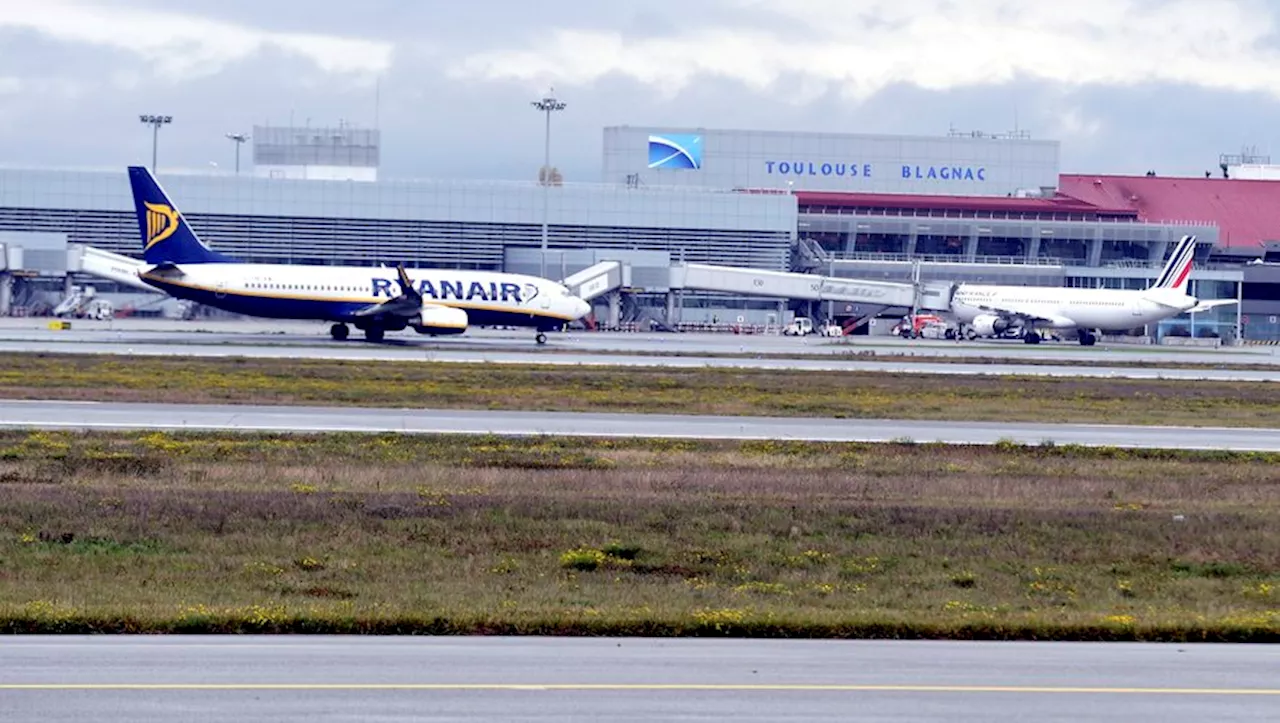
439 320
989 325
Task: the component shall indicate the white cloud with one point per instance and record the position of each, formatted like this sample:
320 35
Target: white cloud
863 46
184 46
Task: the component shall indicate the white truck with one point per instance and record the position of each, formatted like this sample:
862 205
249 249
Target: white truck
803 326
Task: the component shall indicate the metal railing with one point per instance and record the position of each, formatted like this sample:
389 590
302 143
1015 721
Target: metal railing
1100 216
950 259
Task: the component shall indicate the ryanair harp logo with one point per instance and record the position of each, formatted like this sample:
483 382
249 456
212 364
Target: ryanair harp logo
162 221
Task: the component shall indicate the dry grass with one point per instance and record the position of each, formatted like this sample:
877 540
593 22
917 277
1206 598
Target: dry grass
658 390
353 533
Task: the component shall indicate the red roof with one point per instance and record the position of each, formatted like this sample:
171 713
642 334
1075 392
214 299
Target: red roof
964 204
1246 212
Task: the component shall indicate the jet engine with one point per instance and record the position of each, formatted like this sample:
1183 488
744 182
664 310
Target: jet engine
440 320
989 325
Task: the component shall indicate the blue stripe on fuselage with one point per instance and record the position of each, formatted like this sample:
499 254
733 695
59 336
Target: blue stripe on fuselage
276 308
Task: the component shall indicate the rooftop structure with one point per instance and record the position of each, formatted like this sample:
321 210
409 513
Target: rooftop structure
1246 212
343 153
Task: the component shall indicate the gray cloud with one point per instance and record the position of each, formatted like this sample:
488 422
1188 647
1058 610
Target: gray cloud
64 102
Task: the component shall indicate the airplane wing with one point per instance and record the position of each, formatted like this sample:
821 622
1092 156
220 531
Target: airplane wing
1208 304
1026 318
408 304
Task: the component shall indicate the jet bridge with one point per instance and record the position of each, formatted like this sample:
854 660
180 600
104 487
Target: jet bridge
806 287
598 279
104 264
607 278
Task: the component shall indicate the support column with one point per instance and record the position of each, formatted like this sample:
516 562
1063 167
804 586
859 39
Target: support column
1239 320
6 293
1156 252
971 247
615 308
1095 251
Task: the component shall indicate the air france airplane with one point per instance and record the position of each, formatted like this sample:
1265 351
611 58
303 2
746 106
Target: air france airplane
991 310
374 300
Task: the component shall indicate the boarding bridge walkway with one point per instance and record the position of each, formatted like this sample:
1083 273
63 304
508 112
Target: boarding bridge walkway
597 280
106 265
609 276
807 287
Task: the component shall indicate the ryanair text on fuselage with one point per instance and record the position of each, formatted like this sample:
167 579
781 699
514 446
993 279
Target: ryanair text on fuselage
461 290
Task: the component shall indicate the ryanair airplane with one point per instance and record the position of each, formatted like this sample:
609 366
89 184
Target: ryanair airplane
374 300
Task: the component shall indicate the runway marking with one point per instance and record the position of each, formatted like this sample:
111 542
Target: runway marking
869 438
623 687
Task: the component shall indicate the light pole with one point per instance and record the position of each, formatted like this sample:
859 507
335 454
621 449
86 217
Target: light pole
239 139
547 104
155 121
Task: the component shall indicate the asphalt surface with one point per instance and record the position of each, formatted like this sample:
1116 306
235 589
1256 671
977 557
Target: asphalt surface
665 350
402 353
114 415
313 679
313 338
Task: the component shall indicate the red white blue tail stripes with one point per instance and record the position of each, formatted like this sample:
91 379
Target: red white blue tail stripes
1178 269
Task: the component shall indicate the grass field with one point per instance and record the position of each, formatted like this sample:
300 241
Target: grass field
351 533
655 390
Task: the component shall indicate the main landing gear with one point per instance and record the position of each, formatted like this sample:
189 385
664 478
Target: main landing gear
340 332
1031 336
1088 338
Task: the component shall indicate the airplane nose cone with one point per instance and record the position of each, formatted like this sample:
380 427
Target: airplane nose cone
581 308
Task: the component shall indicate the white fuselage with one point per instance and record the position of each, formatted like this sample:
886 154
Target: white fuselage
336 293
1070 308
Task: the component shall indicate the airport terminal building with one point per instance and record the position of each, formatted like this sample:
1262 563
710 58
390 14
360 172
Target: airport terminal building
963 207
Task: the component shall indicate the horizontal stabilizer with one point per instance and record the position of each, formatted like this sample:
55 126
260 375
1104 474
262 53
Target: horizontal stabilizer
1207 304
165 268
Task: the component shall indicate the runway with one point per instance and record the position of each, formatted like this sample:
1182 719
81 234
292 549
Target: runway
245 339
40 414
118 679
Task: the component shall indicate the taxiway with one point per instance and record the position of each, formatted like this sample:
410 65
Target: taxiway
322 679
40 414
306 341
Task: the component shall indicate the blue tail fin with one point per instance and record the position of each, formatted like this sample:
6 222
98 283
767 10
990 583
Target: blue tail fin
165 233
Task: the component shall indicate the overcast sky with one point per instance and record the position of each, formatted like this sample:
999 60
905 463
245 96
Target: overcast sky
1125 85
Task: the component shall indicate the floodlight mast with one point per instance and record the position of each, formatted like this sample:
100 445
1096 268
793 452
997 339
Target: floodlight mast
548 104
155 121
239 139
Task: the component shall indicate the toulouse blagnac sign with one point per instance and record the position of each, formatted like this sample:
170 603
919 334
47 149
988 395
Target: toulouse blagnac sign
867 170
684 152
